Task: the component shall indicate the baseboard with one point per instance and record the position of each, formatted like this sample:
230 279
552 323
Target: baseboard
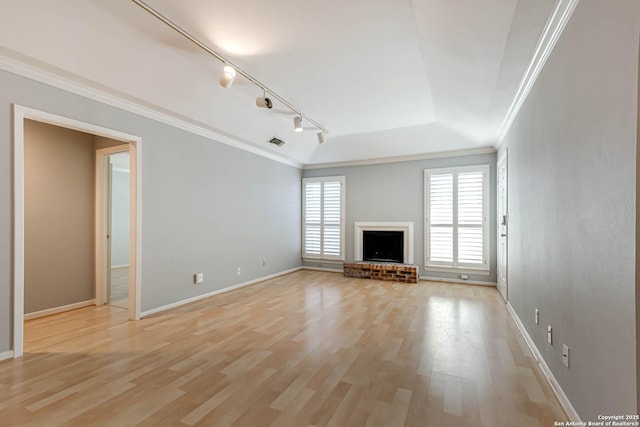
6 355
216 292
464 282
56 310
330 270
553 383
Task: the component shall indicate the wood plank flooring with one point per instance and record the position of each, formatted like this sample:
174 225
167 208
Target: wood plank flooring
306 349
46 331
119 287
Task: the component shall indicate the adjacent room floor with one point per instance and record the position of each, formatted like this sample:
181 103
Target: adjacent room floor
120 287
308 348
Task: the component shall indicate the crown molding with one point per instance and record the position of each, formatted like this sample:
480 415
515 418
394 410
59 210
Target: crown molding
380 160
553 29
69 84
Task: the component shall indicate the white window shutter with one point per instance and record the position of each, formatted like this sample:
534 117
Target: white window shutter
470 217
323 211
331 218
312 215
441 219
456 212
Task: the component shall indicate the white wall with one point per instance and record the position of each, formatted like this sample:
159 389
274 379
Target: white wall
395 192
206 207
572 174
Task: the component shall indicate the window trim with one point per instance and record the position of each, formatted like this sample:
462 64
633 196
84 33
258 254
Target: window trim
455 267
343 191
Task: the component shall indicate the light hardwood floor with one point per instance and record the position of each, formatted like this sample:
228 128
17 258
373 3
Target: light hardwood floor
306 349
119 287
46 331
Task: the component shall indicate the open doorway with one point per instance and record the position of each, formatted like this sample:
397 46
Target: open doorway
118 236
113 235
59 245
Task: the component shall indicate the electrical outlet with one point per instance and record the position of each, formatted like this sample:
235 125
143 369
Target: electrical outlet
565 355
537 317
239 271
464 276
264 262
549 334
198 278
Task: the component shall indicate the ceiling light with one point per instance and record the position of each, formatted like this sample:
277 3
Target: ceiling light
297 123
322 137
227 76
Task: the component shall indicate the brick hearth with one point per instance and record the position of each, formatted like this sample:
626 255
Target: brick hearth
382 271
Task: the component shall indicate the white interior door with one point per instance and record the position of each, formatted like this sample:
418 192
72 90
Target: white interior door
503 226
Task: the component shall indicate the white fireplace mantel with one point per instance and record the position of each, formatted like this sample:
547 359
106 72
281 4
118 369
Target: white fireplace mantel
406 227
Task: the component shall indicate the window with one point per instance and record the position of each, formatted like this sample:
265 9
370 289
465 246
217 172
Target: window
322 218
457 218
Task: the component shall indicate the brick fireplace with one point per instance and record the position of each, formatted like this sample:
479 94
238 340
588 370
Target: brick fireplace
391 260
392 272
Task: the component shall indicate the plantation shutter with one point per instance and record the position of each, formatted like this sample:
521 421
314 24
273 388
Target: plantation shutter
441 219
456 212
332 202
470 217
323 212
312 223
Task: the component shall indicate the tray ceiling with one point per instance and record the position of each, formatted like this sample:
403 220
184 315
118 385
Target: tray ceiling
386 77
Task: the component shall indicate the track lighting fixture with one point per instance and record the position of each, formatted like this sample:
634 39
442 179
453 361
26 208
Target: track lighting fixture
322 137
230 70
227 76
263 101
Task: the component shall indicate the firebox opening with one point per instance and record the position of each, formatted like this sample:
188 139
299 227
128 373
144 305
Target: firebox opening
383 246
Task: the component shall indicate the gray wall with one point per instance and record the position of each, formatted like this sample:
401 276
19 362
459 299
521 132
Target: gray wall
212 208
59 216
395 192
206 207
572 175
120 217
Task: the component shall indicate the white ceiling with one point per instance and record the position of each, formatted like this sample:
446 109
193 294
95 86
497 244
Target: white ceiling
387 78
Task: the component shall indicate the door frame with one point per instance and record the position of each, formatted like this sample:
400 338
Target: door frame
20 113
102 222
502 160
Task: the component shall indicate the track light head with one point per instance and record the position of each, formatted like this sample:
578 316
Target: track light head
322 137
264 102
297 123
227 76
